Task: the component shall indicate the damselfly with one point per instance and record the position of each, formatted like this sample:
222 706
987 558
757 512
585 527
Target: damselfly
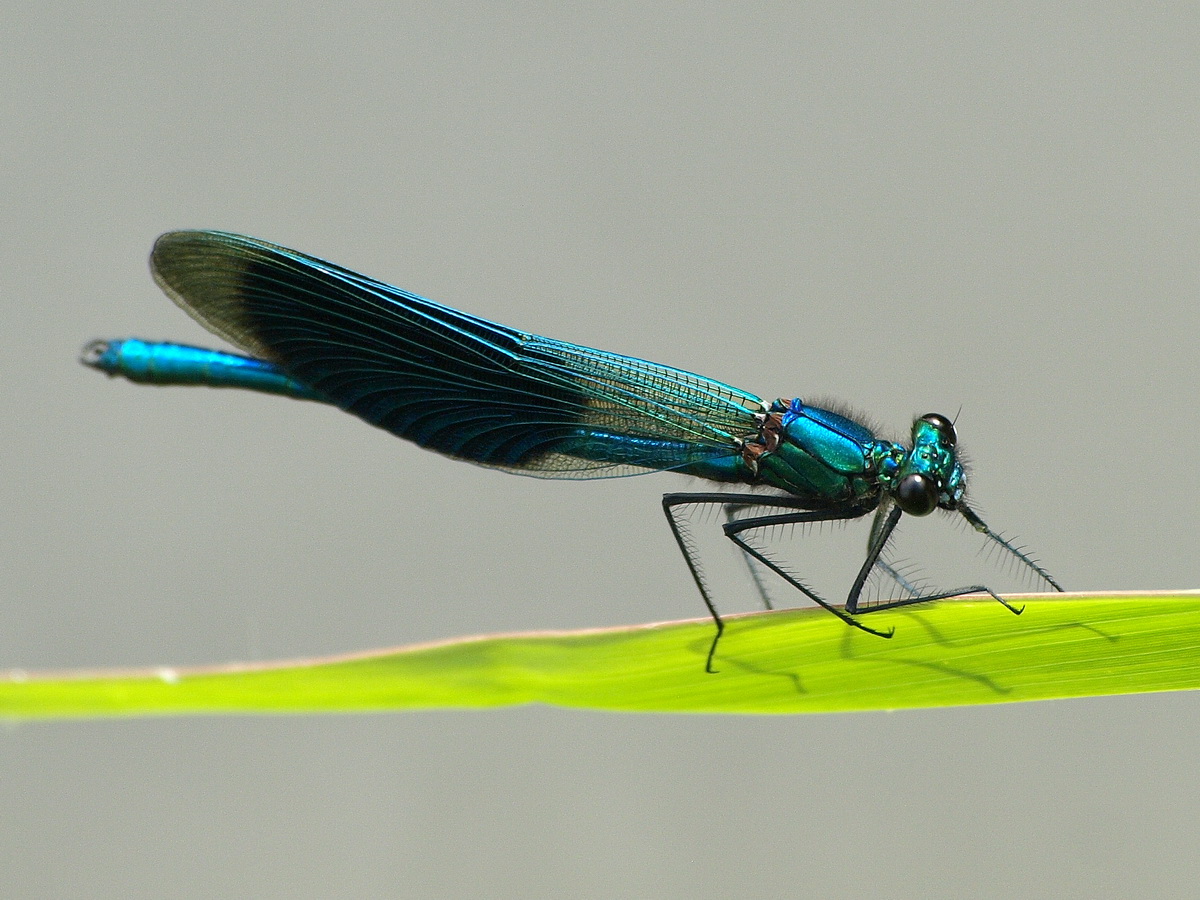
499 397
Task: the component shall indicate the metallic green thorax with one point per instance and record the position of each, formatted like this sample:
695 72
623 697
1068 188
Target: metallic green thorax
829 460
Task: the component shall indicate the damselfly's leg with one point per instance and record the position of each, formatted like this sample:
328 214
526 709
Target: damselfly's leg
683 539
733 530
1017 552
901 578
881 532
886 519
755 573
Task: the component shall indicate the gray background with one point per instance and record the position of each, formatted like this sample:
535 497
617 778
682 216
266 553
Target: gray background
910 208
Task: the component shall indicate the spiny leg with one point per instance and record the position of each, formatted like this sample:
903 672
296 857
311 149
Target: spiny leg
735 530
755 574
893 572
732 501
1028 561
881 533
901 578
684 541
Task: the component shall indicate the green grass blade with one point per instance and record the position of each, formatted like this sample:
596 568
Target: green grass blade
951 653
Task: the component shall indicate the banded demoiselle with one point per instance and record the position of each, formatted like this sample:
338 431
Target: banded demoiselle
492 395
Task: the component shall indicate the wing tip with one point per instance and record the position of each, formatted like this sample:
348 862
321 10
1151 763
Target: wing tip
203 273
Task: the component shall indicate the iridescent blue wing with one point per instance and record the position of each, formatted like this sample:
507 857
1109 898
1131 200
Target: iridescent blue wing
450 381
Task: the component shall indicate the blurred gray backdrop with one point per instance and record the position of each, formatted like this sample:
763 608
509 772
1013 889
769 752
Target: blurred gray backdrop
911 208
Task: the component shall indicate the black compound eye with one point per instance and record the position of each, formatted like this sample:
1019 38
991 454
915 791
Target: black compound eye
944 426
917 494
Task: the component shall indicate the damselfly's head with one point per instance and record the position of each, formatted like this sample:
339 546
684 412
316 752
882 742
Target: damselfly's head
929 476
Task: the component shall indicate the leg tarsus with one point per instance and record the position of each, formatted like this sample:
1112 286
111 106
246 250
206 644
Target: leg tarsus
712 649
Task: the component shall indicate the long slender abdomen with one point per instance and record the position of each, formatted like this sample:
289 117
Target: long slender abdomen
152 362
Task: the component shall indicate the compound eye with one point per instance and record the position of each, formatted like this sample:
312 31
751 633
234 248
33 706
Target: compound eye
917 494
944 426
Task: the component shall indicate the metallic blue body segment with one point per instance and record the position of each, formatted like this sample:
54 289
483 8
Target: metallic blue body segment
842 443
496 396
678 456
823 457
154 362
